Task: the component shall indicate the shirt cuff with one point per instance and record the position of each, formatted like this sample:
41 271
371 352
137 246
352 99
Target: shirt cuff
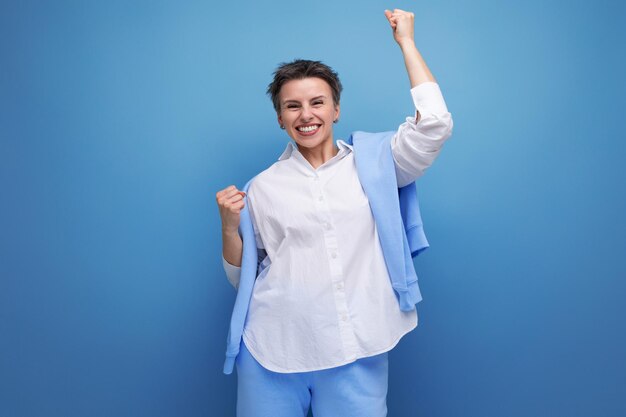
427 98
233 273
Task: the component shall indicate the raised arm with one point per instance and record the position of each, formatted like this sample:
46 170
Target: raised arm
419 140
402 24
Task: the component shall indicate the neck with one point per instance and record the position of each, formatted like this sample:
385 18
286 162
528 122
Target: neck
320 154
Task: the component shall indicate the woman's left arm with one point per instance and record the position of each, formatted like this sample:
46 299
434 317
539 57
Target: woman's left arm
402 24
419 140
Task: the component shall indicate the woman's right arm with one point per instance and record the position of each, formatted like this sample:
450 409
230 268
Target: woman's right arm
230 203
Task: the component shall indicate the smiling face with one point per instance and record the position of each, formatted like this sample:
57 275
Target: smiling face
307 112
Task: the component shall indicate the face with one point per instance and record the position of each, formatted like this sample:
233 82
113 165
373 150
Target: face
307 111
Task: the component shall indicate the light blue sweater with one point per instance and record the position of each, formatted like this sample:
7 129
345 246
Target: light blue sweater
398 221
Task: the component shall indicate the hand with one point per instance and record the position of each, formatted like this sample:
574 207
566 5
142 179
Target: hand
402 25
230 201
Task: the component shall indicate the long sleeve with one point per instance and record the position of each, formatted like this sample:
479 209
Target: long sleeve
417 142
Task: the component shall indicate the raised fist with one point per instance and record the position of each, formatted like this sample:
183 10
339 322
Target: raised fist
402 24
230 201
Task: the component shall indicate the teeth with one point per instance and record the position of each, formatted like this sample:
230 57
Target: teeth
308 128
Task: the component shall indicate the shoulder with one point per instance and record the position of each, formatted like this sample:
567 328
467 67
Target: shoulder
265 179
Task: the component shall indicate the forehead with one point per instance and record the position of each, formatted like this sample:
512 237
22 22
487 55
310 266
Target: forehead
304 89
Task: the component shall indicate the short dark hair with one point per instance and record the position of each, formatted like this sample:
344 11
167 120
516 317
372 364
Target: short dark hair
299 69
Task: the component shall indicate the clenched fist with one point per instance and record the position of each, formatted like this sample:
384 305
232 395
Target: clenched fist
402 25
230 201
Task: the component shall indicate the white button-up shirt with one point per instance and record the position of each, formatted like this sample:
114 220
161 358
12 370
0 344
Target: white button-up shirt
325 298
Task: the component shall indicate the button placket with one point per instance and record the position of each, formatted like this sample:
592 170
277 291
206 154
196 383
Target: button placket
331 243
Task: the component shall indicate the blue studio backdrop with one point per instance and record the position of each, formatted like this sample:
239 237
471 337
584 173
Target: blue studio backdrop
119 121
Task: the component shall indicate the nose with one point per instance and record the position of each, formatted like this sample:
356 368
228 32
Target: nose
306 114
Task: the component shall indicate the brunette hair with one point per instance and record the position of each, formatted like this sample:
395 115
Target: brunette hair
299 69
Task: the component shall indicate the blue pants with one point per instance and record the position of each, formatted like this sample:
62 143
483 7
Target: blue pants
358 389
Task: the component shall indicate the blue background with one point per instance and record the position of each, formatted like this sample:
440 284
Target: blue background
119 121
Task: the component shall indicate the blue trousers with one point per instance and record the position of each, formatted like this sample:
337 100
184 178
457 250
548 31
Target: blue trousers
358 389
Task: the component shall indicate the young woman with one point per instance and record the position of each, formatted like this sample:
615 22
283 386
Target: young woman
324 305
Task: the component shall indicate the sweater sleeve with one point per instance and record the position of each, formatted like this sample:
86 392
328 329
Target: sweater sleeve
419 139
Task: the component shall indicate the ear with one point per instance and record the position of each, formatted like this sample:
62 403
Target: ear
280 119
337 111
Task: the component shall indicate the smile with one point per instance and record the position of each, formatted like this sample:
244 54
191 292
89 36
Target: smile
308 129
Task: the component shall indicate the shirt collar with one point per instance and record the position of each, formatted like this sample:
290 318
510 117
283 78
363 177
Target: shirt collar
344 149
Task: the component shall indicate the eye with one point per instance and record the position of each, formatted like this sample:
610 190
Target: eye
292 106
318 103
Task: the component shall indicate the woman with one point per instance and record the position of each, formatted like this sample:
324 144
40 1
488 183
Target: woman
325 303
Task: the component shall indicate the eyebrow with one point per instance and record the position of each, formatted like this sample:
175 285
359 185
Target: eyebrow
296 101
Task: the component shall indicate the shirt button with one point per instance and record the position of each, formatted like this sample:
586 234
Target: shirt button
333 255
327 225
344 317
339 286
320 198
